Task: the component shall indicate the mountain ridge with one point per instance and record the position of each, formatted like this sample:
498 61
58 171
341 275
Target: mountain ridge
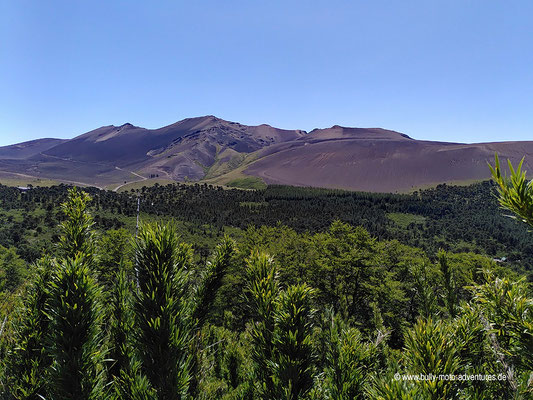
214 150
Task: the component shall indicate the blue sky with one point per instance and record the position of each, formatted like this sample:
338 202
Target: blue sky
451 70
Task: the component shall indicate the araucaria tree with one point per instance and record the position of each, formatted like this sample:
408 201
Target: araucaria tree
29 360
75 311
281 333
162 310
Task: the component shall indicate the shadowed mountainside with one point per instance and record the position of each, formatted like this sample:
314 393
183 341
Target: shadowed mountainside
27 149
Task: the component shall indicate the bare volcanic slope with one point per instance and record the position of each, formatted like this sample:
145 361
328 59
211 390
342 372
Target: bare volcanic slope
185 150
209 148
28 149
378 160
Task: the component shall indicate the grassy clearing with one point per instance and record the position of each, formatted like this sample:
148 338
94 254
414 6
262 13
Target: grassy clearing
233 160
236 172
25 182
249 182
404 220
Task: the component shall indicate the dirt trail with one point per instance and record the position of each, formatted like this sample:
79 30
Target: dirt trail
142 178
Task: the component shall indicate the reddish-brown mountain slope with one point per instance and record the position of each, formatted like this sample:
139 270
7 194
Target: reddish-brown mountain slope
378 160
207 147
184 150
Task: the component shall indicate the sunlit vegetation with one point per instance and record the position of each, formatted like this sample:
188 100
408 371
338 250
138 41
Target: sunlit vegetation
330 306
247 183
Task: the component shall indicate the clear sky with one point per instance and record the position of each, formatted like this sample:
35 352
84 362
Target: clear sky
451 70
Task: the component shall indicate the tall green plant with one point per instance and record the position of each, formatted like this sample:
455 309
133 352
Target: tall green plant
75 309
507 310
29 361
430 349
121 326
348 360
211 280
77 236
162 310
293 364
282 350
450 287
261 296
204 296
424 287
75 339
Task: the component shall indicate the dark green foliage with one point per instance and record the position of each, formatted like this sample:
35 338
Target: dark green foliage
12 270
75 340
424 287
175 327
75 310
450 289
204 296
121 326
212 278
262 294
58 350
29 361
282 350
224 368
457 219
162 313
114 256
77 235
347 359
133 385
508 307
293 363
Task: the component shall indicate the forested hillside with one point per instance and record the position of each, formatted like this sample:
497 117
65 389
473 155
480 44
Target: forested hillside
282 293
454 218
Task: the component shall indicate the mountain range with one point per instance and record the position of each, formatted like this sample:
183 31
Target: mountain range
212 150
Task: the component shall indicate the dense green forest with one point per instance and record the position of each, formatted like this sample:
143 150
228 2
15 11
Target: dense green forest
281 293
453 218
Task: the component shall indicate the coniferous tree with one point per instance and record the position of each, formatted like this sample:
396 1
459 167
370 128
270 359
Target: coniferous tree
77 236
348 360
450 289
162 310
204 296
29 362
281 334
75 311
430 350
121 326
75 339
507 315
425 290
262 293
293 364
211 280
